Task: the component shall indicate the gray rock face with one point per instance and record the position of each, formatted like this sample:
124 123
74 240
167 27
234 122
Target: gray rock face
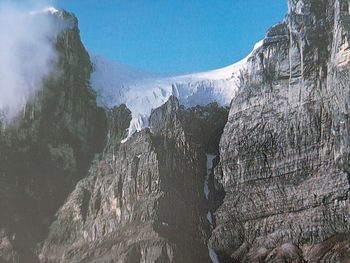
142 202
281 186
48 149
285 149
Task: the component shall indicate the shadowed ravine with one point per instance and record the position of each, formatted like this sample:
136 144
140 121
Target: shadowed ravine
265 180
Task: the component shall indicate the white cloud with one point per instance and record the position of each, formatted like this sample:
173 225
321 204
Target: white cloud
27 55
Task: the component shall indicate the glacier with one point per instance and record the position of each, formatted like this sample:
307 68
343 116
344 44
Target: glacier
143 91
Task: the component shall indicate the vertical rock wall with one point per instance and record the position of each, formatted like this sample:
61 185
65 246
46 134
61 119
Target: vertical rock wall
48 148
285 149
143 202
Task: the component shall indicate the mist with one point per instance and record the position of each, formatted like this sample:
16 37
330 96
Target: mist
27 54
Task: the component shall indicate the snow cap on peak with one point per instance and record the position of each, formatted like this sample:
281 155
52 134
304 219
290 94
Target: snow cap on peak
51 10
258 45
48 10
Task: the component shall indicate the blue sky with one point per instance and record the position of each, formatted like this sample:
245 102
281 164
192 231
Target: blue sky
174 35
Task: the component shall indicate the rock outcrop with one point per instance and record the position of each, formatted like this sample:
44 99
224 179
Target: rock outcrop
71 191
284 154
142 202
48 148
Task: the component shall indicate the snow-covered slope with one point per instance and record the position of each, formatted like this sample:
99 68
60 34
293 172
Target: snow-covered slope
142 91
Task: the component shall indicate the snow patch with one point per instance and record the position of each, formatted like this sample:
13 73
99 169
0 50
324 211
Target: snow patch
210 159
48 10
213 256
51 10
210 217
206 190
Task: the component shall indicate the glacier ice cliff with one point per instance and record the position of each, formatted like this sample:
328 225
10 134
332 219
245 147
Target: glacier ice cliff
267 181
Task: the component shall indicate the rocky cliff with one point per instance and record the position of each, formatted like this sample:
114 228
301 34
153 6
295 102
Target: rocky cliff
279 189
284 154
138 201
48 148
142 202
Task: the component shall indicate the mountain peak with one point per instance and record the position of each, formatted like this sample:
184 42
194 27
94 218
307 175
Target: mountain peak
51 10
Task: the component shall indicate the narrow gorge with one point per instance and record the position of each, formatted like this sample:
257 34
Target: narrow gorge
263 179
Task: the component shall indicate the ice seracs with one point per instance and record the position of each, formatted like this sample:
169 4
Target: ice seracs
142 91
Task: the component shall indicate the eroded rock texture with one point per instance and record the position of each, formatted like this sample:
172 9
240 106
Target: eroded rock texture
281 188
143 201
285 149
48 149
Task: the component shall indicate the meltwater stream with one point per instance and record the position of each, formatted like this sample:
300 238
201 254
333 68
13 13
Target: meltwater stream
210 158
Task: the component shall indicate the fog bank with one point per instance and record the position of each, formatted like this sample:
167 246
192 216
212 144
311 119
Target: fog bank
27 54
